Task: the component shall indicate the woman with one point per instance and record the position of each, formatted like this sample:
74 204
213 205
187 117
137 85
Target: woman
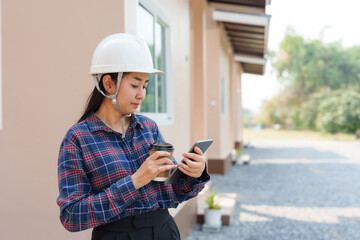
105 171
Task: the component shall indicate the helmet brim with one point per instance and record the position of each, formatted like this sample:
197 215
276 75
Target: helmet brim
101 70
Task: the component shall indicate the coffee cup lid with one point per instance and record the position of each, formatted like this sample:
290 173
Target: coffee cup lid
161 147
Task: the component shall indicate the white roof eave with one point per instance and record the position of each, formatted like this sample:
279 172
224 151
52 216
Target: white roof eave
241 18
249 59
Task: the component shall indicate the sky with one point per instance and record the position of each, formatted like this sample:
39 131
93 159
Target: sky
329 20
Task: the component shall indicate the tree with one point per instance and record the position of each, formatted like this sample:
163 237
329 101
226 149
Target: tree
307 66
339 111
322 85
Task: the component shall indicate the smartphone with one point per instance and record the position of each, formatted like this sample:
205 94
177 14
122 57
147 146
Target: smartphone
177 174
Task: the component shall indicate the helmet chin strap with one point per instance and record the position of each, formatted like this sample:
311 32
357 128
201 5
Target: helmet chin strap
113 99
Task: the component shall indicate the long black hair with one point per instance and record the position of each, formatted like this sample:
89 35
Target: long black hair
95 99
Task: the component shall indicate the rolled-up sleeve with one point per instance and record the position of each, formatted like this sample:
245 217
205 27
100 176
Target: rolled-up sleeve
189 187
80 207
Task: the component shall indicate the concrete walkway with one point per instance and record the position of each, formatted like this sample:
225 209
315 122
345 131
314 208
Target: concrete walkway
293 190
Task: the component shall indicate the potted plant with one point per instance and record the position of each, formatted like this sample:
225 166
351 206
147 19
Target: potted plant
213 211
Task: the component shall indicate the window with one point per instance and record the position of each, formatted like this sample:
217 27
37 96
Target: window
224 97
152 27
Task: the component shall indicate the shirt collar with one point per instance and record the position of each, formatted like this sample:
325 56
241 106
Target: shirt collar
95 123
136 122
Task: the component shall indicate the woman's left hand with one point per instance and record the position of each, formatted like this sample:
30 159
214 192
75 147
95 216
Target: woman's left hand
195 163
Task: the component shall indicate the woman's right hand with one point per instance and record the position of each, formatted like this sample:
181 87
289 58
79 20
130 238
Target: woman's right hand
156 163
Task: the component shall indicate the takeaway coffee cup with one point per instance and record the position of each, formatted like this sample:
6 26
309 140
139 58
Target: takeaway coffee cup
166 147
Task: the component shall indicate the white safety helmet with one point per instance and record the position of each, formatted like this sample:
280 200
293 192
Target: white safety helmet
119 53
122 52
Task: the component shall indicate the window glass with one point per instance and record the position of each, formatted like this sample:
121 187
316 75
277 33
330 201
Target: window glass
145 29
223 96
150 27
149 103
160 59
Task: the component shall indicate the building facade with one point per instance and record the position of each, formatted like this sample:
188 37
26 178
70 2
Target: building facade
46 49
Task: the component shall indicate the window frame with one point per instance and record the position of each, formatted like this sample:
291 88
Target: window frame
224 97
166 118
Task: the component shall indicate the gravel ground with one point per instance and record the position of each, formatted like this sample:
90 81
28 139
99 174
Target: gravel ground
293 190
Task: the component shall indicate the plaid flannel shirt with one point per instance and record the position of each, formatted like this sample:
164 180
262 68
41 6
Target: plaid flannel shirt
94 169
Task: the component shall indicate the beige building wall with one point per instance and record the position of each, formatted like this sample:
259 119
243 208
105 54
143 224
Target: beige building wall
46 54
47 48
198 70
213 88
219 68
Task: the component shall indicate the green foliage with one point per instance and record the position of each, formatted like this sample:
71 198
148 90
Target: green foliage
305 116
211 201
327 110
148 105
238 152
322 85
339 112
296 119
307 66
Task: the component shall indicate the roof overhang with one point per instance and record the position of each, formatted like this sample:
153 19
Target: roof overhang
247 27
249 59
242 18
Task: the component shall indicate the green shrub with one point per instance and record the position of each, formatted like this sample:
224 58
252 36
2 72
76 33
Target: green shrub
308 110
339 112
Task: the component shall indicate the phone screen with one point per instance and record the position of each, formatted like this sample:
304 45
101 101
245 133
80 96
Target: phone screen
177 174
203 145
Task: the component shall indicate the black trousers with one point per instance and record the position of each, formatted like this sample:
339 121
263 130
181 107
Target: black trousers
156 225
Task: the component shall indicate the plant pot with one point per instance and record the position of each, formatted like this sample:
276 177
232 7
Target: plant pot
213 217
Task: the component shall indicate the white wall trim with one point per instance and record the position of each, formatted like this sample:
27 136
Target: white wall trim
149 5
236 8
242 18
248 59
161 119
